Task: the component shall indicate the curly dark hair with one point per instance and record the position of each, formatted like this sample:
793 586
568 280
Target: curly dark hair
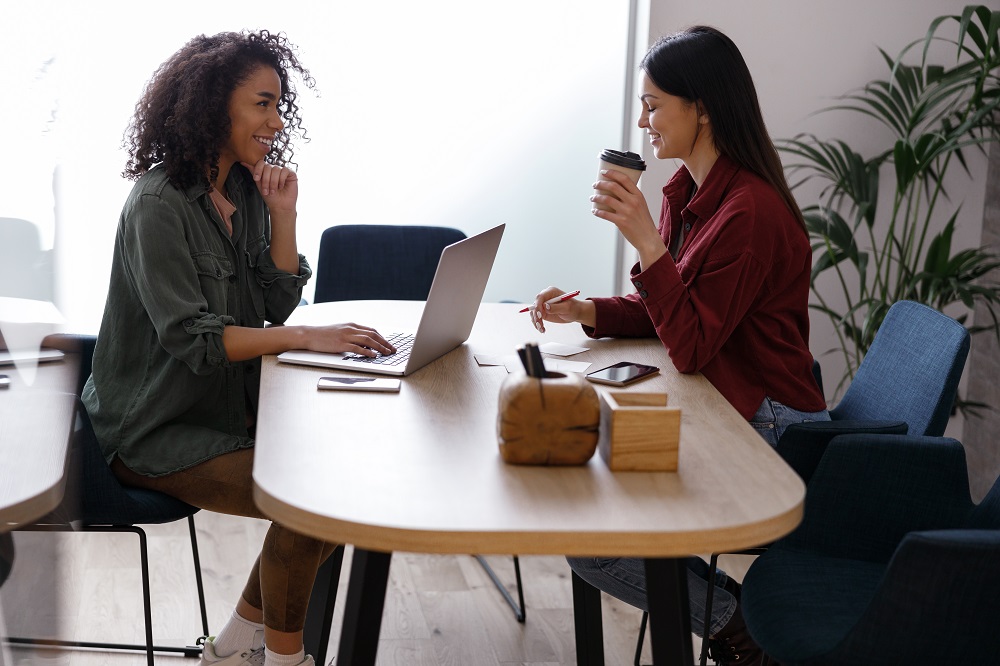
182 118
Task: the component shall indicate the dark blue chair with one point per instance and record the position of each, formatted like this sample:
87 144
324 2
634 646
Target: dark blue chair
892 564
906 383
96 502
909 375
378 261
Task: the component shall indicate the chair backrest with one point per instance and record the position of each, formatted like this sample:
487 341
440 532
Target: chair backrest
374 261
910 372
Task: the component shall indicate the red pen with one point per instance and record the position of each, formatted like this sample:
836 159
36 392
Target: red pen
558 299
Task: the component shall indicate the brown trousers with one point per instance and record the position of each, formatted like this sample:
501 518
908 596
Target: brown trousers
282 577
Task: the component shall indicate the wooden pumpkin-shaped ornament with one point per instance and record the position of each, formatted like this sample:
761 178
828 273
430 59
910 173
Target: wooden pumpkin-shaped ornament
554 420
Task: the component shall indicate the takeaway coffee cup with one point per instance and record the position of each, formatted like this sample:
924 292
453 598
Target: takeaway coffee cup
630 164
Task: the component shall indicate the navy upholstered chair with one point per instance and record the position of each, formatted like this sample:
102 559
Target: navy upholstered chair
906 383
912 369
892 564
378 261
910 375
96 502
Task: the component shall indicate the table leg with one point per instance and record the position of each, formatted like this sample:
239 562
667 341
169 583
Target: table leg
587 622
363 610
669 612
319 615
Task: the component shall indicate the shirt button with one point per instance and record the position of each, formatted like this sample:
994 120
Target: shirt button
250 369
218 272
232 278
643 293
188 322
687 227
637 283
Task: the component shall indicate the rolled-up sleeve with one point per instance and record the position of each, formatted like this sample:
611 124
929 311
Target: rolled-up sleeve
158 262
212 326
282 290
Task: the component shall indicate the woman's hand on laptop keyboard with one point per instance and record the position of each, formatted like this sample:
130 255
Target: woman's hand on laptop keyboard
349 337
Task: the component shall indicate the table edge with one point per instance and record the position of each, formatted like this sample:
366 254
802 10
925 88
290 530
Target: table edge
386 538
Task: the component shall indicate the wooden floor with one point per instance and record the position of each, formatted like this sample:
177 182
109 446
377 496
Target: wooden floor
439 609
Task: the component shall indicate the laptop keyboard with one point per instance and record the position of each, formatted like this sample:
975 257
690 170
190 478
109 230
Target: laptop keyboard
403 342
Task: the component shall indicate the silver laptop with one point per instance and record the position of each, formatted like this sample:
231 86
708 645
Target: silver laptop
447 319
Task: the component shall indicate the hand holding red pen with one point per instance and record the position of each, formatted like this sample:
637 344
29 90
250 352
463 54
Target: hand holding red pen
553 304
557 299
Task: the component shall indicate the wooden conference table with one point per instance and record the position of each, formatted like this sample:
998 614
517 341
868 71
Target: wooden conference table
420 471
35 426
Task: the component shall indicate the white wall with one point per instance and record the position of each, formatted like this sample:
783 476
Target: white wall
433 112
802 55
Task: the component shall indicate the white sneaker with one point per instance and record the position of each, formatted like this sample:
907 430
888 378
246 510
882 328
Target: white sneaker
248 657
308 661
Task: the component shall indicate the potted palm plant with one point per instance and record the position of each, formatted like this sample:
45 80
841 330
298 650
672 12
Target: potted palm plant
878 253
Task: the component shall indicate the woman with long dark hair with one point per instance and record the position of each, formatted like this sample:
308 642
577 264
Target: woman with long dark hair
722 280
205 253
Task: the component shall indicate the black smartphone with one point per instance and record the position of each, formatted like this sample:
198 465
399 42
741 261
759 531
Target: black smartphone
622 374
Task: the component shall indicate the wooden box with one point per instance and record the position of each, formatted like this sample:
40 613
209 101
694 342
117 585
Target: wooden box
639 432
550 421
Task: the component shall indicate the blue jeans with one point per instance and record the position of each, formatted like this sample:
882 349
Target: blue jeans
625 577
772 418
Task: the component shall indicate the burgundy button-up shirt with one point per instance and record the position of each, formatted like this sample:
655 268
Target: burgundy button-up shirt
734 303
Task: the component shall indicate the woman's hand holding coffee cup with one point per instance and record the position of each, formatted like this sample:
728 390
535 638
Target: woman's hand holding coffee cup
628 163
565 312
625 207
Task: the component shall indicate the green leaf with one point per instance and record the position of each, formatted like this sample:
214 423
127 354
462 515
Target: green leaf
906 164
935 112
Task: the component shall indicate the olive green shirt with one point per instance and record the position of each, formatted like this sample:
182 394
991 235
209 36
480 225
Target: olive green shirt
163 396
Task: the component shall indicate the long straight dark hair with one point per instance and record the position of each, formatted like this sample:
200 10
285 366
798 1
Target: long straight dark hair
702 65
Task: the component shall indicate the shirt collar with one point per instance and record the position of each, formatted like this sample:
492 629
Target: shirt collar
233 182
708 198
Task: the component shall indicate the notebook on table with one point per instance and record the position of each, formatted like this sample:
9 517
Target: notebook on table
447 319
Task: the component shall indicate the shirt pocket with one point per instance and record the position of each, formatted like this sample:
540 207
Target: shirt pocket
216 275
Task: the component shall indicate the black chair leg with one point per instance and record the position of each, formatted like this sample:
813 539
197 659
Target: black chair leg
517 607
713 565
146 604
198 579
642 635
192 651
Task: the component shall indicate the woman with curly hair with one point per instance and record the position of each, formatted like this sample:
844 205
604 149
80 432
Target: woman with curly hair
205 253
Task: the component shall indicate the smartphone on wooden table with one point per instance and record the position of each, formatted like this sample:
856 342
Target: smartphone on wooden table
377 384
622 374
